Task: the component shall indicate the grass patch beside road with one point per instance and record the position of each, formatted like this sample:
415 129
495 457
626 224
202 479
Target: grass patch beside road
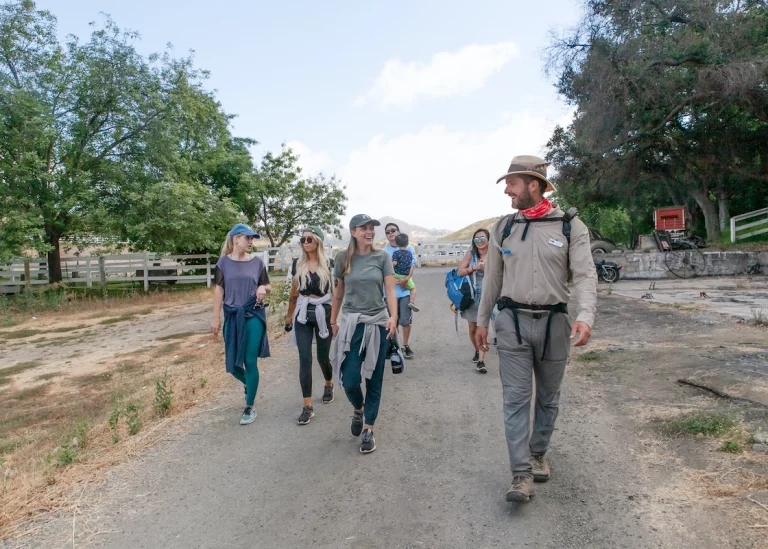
706 424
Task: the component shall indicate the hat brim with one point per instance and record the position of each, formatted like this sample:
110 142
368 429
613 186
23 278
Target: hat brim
376 223
257 236
550 187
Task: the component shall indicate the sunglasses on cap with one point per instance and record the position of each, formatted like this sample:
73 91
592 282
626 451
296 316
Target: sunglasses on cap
479 239
306 240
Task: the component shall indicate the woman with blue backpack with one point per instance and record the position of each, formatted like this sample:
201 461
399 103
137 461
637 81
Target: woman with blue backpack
473 267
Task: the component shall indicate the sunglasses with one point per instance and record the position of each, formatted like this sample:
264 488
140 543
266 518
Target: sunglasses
391 231
306 240
479 239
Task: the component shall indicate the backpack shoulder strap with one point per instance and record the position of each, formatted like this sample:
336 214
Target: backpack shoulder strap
293 266
508 228
567 218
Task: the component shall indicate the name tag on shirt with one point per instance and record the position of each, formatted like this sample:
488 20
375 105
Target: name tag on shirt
555 242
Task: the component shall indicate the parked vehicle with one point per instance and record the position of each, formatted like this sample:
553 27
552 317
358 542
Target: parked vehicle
599 243
608 271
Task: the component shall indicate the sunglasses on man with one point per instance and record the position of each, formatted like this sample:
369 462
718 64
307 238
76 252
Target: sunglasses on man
306 240
479 240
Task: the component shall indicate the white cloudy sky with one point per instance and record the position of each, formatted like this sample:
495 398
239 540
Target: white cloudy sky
417 106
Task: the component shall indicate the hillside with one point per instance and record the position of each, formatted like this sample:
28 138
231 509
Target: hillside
467 232
414 232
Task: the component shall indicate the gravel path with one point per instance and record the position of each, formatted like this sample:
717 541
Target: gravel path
437 480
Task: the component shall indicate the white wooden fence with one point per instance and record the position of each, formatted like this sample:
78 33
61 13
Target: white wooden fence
759 219
148 268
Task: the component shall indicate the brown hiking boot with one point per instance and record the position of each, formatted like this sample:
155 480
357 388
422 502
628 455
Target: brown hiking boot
540 466
521 490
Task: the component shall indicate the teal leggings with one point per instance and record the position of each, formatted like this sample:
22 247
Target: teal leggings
254 333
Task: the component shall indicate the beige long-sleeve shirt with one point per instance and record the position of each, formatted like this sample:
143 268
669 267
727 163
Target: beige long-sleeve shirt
535 270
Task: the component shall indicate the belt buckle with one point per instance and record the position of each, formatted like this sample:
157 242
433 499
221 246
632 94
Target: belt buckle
537 316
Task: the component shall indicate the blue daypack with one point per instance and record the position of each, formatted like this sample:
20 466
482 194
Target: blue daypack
460 291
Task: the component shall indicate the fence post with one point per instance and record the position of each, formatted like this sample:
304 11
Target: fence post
27 276
88 281
418 254
146 271
207 270
733 230
103 274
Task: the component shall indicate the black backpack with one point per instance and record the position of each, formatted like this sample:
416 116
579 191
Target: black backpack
566 219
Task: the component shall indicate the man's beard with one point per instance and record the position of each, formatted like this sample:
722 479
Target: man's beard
525 201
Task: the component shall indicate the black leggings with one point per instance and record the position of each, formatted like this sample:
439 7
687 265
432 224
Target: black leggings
304 333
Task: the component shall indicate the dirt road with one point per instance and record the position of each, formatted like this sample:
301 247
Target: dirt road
437 479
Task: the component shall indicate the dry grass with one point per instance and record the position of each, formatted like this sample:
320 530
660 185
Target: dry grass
91 307
35 421
180 335
29 436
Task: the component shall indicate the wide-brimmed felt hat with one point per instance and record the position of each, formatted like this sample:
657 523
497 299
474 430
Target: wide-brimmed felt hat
529 165
242 228
362 219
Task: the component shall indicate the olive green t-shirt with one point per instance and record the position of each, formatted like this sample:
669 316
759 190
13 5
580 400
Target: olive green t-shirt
363 284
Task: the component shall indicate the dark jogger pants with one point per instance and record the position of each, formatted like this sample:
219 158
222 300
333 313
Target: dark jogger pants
352 379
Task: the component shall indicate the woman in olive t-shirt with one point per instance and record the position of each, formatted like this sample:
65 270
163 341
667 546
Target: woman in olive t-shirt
362 333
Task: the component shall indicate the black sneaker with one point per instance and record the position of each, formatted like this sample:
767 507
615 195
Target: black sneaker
357 424
369 444
481 367
407 352
476 358
306 415
327 394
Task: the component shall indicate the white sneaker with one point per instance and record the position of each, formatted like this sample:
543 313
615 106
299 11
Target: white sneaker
249 414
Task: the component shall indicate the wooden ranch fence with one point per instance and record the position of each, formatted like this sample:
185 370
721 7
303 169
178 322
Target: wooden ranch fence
148 268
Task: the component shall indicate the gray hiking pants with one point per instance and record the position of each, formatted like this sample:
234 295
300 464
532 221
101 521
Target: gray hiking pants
517 366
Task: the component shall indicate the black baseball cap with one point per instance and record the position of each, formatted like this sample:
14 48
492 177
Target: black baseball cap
362 219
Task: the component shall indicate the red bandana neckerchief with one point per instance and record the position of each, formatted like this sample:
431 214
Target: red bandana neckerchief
540 210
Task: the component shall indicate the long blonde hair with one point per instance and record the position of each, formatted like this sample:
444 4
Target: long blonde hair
351 249
229 245
323 270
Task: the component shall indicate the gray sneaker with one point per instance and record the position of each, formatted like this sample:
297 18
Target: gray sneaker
407 352
369 444
327 394
521 490
540 464
357 424
249 414
306 415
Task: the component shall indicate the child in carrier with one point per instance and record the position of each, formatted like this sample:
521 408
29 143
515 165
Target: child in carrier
402 261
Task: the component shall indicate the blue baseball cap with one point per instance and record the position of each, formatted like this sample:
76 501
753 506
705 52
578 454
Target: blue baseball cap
242 228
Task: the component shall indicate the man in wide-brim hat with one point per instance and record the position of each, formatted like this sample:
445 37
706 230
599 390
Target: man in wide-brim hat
532 255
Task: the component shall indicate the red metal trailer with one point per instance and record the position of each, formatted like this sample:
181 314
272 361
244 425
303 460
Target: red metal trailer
671 218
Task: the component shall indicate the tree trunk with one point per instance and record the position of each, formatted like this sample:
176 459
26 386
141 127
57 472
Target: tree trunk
724 204
711 218
54 258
